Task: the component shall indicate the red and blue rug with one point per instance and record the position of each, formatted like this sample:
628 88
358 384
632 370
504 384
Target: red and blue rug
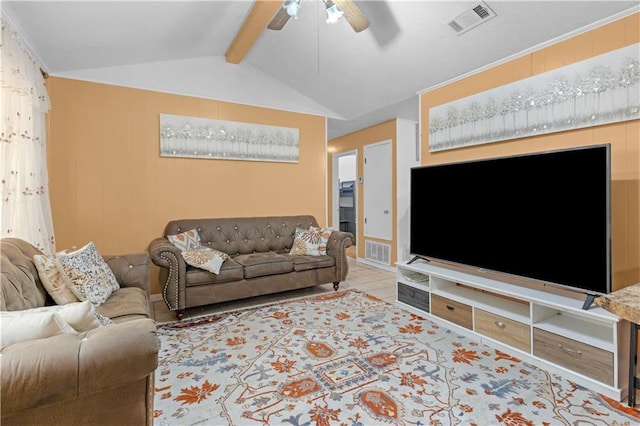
347 358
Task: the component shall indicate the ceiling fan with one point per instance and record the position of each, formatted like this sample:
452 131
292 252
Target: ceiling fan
335 10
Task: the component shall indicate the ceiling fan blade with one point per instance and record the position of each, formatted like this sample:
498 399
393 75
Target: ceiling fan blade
353 14
279 19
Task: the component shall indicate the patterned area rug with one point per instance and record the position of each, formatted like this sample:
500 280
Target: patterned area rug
348 358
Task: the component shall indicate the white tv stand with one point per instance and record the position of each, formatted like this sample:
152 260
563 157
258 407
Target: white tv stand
539 323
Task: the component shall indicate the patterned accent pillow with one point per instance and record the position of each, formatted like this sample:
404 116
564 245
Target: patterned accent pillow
325 233
52 279
87 275
205 258
222 254
306 242
186 240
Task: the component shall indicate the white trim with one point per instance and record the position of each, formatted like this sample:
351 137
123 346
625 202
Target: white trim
328 190
335 189
375 265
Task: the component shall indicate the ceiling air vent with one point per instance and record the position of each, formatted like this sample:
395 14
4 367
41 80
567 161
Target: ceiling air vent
471 18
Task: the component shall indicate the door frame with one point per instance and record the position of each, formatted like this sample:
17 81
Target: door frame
335 188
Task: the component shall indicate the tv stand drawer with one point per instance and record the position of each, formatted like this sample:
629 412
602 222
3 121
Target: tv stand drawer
577 356
450 310
505 330
413 296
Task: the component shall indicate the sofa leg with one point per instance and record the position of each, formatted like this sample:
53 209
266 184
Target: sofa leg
179 314
336 284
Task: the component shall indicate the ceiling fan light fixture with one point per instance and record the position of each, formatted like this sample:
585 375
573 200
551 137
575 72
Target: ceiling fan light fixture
336 9
333 13
292 7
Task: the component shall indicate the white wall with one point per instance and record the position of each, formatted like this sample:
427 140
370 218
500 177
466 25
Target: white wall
347 170
407 156
206 77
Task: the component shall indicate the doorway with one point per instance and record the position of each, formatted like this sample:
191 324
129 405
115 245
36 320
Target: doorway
345 195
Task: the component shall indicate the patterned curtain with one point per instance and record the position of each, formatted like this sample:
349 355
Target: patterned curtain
25 208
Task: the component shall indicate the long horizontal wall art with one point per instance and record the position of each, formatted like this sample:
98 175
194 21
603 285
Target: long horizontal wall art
196 137
600 90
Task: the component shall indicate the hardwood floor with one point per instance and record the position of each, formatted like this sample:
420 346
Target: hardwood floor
378 282
351 251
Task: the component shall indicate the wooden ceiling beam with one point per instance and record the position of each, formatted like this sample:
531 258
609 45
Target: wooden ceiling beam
257 20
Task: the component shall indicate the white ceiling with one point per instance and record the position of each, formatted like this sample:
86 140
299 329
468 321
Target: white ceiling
356 79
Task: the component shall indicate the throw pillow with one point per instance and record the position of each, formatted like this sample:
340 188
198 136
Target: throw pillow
306 242
222 254
87 275
205 258
20 326
325 233
186 240
82 316
52 279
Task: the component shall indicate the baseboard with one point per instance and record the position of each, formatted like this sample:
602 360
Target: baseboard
375 265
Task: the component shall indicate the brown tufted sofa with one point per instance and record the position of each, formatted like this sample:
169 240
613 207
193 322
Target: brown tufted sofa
104 376
260 261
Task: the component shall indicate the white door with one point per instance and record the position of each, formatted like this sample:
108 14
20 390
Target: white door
378 182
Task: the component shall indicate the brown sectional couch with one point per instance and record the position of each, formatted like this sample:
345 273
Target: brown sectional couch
260 261
104 376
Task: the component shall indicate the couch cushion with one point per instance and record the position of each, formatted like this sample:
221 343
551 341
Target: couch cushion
261 264
304 263
125 304
229 271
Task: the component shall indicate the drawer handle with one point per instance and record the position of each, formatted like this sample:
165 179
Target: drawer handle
500 324
449 307
569 350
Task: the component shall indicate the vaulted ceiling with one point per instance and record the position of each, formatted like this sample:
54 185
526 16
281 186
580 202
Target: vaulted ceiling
355 79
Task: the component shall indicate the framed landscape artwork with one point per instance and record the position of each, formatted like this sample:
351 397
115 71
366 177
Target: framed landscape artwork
600 90
196 137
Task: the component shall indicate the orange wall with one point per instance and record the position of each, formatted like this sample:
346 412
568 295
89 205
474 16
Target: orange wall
108 183
624 137
355 142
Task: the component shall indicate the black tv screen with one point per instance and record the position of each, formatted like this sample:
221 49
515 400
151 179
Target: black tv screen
544 216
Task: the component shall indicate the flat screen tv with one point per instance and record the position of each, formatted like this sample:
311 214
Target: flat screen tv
544 216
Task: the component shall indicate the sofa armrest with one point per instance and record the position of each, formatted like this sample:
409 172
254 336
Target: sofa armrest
131 270
173 272
63 367
337 248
